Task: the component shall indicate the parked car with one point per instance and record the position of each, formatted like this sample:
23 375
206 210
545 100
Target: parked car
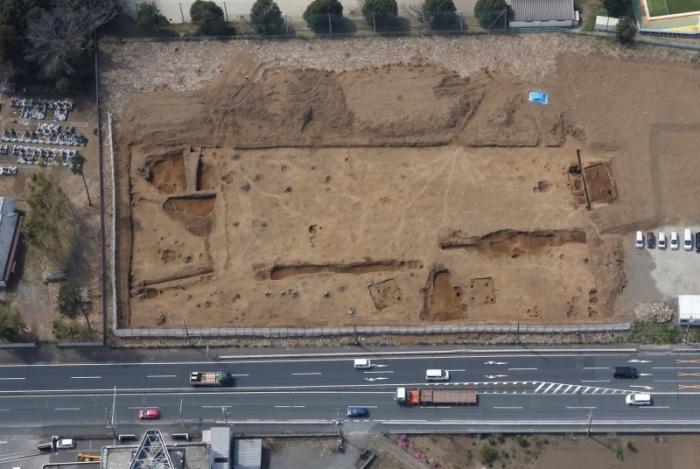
625 372
697 242
357 412
639 240
149 413
674 240
651 240
662 240
640 398
687 240
65 443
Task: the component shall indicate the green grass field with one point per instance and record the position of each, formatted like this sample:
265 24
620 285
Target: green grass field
671 7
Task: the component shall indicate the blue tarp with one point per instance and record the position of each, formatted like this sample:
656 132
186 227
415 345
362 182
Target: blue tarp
538 97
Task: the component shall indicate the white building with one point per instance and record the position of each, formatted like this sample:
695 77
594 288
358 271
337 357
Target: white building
689 310
542 13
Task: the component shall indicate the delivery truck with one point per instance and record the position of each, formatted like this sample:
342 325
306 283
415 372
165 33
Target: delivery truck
211 378
435 396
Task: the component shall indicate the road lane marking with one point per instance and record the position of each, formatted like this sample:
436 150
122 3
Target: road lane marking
462 369
522 369
595 380
693 373
161 376
216 407
238 375
582 407
595 368
85 377
365 406
5 410
66 408
290 406
539 387
675 367
11 379
375 372
548 387
311 373
507 407
655 407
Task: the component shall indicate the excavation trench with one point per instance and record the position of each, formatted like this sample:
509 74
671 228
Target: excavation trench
511 242
282 271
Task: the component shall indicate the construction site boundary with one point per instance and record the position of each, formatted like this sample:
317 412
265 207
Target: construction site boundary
372 330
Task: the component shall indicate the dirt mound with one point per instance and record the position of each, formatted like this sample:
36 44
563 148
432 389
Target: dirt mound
513 243
193 210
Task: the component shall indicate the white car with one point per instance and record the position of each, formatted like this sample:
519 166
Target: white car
687 240
661 242
437 375
639 240
65 443
674 240
640 398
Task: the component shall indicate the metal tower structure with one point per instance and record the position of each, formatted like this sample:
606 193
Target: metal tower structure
152 453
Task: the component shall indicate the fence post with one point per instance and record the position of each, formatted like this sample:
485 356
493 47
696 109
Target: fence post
505 18
330 24
374 22
286 27
225 11
182 15
461 22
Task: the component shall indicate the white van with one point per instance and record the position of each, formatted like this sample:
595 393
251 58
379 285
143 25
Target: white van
674 240
662 240
687 240
362 364
437 375
640 398
639 240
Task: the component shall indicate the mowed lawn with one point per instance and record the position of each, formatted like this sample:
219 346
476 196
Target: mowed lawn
672 7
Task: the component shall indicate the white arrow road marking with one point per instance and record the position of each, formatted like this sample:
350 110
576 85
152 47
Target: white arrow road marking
375 379
495 376
378 366
634 360
491 362
648 388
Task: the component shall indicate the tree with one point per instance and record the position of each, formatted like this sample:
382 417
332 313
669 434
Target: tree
61 38
317 15
489 454
266 17
10 324
491 13
10 44
617 8
379 13
70 300
440 13
210 18
76 167
626 30
14 12
148 16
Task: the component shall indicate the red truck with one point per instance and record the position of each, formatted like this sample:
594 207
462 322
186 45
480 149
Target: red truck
435 396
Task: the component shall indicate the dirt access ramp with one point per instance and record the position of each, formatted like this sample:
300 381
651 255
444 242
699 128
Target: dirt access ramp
314 178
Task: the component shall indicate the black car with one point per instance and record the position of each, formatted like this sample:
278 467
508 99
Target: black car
697 241
625 372
355 412
651 240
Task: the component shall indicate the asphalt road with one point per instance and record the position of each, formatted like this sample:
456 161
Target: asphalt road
561 389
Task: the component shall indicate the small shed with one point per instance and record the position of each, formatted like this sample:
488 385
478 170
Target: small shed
247 454
220 440
689 310
542 13
605 23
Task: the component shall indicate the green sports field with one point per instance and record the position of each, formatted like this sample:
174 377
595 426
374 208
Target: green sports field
671 7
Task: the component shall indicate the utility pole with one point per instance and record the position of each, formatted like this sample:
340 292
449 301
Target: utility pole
590 421
114 406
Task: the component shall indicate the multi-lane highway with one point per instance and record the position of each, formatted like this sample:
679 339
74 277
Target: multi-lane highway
567 389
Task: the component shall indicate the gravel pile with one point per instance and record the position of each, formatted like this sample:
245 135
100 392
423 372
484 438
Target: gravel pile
653 312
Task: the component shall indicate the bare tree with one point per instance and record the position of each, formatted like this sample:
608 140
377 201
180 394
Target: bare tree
60 37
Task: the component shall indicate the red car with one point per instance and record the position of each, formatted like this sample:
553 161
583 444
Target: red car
149 413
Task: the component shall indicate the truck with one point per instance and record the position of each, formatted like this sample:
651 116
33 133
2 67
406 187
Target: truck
211 378
435 396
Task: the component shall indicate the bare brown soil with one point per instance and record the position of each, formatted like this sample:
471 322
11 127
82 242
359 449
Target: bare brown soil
382 173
